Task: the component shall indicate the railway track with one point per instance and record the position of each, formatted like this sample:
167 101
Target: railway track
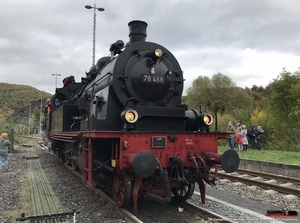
198 214
269 176
290 185
187 211
125 215
45 204
209 215
128 216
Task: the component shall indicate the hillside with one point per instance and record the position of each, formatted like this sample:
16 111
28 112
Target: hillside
15 97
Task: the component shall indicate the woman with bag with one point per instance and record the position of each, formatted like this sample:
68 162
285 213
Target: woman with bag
244 137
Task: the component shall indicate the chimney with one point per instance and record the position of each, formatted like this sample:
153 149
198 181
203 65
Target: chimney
137 31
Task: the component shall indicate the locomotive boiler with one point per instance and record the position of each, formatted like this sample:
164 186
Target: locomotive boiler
126 131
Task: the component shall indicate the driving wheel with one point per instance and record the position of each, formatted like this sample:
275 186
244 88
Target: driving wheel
183 191
122 191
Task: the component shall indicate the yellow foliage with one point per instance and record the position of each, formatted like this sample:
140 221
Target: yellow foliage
258 116
223 121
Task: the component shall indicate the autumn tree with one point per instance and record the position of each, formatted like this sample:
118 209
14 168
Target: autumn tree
283 110
220 89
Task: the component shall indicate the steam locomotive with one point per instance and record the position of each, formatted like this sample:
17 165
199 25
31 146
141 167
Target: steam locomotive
126 131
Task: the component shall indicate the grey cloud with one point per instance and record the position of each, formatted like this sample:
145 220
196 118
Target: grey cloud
39 38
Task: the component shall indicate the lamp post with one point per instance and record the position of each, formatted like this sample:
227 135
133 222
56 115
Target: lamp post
29 114
41 116
56 74
94 26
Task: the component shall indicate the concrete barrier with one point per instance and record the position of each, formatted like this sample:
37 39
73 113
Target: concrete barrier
269 167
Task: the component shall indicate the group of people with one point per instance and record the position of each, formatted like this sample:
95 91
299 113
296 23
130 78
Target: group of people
242 136
4 146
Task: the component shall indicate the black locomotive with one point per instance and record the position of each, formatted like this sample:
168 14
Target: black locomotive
124 128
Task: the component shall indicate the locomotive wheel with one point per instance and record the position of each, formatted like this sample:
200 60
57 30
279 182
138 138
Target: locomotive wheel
71 161
72 164
122 191
184 191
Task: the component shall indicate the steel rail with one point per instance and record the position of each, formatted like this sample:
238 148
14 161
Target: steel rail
209 215
35 199
123 213
45 191
39 204
270 176
44 200
279 188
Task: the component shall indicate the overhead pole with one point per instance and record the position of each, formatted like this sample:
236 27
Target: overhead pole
94 27
56 74
41 112
29 111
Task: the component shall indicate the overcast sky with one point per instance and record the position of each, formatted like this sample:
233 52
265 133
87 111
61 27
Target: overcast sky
249 41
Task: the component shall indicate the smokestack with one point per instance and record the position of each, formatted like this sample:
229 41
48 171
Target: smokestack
137 31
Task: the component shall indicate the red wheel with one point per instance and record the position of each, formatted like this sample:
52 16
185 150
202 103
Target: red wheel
183 191
122 191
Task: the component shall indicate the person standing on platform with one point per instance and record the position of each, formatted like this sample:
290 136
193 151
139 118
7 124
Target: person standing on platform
257 137
239 140
244 137
238 127
4 144
231 129
251 136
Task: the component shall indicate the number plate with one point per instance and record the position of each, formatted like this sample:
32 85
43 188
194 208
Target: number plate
152 79
159 142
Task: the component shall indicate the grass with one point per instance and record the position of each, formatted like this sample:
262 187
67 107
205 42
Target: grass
20 140
285 157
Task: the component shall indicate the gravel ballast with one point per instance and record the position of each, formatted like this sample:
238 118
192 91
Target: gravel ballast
73 194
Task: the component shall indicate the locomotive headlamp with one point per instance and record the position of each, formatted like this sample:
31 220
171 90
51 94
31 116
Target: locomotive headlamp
208 119
131 116
197 121
155 54
158 52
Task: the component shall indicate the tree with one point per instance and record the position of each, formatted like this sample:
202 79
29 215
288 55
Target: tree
233 103
223 90
283 110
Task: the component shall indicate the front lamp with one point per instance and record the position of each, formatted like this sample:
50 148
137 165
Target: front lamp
131 116
156 54
208 119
